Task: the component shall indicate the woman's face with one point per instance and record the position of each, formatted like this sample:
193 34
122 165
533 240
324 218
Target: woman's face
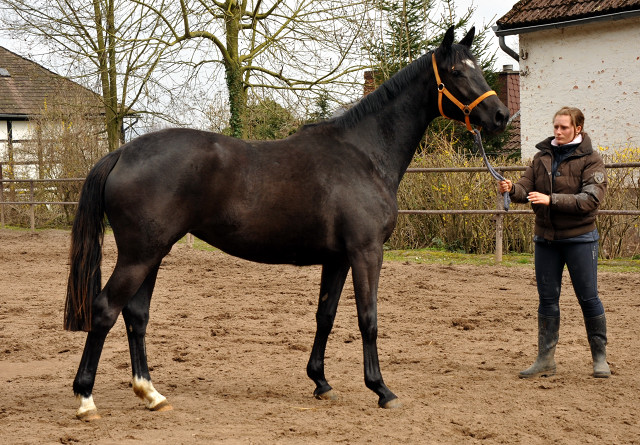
563 130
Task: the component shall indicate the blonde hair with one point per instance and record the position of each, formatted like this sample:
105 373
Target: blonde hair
577 118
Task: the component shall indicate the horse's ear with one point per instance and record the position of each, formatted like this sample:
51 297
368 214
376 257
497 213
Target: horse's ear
447 41
468 39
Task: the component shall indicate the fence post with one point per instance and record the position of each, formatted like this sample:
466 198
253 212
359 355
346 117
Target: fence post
33 208
499 226
1 198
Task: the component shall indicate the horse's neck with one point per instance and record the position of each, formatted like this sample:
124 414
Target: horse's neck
394 132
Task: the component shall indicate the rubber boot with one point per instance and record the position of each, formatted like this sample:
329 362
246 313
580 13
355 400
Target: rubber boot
597 336
545 365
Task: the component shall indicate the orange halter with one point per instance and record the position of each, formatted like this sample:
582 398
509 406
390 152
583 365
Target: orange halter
466 109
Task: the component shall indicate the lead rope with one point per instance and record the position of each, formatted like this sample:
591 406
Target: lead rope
478 142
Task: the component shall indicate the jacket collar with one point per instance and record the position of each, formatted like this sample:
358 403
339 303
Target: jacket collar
584 148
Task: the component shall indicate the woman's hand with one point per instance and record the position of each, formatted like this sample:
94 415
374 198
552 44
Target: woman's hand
505 186
539 198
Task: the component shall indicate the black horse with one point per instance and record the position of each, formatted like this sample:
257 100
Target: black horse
325 195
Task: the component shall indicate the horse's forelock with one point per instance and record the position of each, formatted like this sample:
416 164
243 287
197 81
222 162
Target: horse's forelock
456 54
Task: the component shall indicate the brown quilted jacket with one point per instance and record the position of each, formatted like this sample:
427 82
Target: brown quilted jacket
576 193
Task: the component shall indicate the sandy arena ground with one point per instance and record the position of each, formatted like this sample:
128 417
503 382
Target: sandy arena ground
229 340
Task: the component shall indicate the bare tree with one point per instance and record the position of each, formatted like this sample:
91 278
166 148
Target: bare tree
105 40
292 45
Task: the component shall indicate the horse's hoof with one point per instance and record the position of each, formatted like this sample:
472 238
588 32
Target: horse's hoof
162 406
392 404
88 416
329 395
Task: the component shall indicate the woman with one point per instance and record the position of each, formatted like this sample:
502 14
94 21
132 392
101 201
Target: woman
565 183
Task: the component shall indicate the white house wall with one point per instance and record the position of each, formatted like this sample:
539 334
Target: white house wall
4 138
20 132
595 67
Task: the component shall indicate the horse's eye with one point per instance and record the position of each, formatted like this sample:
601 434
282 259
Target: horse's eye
455 73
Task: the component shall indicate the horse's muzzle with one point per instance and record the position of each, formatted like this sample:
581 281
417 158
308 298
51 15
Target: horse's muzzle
499 121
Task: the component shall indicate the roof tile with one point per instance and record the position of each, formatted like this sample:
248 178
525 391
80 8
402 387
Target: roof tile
24 91
537 12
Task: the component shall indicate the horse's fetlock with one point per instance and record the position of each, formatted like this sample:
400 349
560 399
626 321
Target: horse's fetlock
373 384
315 372
82 387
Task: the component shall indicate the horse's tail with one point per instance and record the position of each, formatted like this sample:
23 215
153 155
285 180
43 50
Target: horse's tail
85 256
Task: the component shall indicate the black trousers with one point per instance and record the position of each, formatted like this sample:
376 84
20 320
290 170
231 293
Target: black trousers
581 259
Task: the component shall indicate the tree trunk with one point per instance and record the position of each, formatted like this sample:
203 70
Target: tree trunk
108 73
237 101
114 124
233 71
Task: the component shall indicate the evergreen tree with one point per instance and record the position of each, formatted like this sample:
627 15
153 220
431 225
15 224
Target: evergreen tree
413 27
405 38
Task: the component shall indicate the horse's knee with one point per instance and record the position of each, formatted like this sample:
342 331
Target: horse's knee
368 329
324 323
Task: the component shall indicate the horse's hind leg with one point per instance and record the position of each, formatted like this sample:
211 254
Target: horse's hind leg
123 284
136 317
85 377
332 282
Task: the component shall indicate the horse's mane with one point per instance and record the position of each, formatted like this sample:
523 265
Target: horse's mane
390 89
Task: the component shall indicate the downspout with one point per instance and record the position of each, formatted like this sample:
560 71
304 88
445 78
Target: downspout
505 48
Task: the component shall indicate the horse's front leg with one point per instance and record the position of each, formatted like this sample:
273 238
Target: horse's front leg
136 318
366 267
332 282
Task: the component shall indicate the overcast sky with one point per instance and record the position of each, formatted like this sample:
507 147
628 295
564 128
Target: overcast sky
487 12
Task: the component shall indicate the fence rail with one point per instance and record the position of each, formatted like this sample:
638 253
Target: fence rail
499 213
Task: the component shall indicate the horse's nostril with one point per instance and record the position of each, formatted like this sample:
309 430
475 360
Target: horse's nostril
502 117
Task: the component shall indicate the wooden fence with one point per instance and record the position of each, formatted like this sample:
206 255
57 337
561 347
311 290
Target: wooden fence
499 213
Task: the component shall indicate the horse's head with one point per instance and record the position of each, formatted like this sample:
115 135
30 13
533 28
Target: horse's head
463 92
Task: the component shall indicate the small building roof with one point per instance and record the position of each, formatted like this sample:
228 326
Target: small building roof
25 85
532 15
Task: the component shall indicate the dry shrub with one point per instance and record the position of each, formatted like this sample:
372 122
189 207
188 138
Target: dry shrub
67 139
455 190
619 234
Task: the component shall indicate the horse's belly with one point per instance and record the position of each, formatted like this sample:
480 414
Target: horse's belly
265 244
272 253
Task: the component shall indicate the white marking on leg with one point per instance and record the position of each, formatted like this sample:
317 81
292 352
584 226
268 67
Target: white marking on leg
86 406
145 390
